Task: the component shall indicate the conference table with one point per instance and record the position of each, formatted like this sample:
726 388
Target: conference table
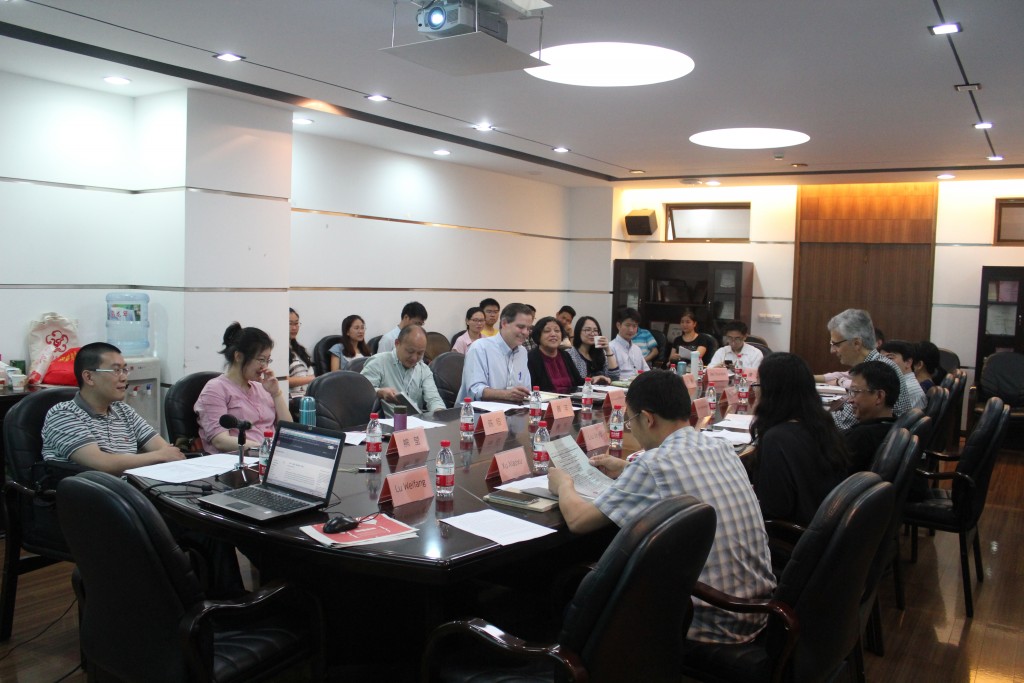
425 579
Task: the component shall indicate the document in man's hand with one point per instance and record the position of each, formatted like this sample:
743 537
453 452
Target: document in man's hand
567 455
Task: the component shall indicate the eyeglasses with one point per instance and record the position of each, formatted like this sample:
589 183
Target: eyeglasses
730 340
477 320
116 370
834 344
590 330
852 393
628 421
264 361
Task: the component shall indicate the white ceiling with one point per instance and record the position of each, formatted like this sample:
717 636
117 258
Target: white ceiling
865 79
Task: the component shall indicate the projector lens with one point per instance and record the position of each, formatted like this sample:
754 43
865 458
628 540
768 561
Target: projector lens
436 17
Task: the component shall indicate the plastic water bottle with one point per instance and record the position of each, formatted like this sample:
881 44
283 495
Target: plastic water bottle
535 411
712 398
737 369
615 428
264 459
588 395
467 420
444 487
373 437
541 459
307 411
743 392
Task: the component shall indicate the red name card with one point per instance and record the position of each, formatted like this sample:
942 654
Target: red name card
408 442
510 464
492 423
406 487
615 397
593 437
720 376
750 374
691 384
701 408
560 427
558 409
732 396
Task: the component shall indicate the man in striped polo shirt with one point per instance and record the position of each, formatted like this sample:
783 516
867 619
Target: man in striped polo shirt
96 428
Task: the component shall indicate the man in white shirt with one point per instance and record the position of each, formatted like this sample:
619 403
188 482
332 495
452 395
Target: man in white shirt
735 347
495 367
413 313
629 356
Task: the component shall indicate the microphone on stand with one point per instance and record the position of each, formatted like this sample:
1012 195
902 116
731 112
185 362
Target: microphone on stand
232 422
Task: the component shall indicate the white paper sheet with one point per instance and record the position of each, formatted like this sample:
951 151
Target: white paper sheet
540 482
734 421
354 438
735 438
181 471
498 527
491 406
411 422
567 455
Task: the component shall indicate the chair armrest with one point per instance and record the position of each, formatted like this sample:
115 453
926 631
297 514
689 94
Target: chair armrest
783 530
945 457
947 476
492 636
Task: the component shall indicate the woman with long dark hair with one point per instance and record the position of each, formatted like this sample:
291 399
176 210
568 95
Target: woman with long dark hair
300 365
353 343
593 361
801 456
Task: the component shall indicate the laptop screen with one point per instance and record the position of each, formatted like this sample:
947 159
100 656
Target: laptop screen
303 461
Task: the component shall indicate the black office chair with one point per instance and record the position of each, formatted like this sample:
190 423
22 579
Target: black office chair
948 360
662 341
374 343
29 497
763 348
754 339
180 410
321 354
356 364
343 399
143 614
813 615
895 463
437 344
456 336
625 623
447 369
946 434
958 510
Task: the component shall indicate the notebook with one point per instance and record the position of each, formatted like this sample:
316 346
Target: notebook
300 475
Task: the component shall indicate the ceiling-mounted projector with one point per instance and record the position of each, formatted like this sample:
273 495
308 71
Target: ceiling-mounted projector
444 18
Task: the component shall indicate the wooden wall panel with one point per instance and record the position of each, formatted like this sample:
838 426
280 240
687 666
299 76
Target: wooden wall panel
863 246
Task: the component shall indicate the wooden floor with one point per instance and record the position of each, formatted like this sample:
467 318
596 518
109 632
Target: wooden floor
931 641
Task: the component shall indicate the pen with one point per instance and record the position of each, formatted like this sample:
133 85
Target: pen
366 469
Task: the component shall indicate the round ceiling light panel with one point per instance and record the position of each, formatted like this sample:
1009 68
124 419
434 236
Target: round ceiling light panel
749 138
610 65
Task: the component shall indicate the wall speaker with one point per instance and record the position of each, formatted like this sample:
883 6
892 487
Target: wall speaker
642 222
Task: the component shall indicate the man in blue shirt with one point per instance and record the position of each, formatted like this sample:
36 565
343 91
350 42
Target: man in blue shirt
495 368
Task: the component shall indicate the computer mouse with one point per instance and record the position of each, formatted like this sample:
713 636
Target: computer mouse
340 523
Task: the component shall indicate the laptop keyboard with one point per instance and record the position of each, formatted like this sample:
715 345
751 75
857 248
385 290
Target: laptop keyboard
267 499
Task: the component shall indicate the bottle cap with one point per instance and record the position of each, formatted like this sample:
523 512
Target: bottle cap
467 400
536 388
401 409
373 416
543 423
267 434
445 443
617 407
587 379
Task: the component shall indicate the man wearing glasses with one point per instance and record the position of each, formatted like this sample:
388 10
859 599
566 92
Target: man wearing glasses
735 347
874 388
96 428
679 460
853 342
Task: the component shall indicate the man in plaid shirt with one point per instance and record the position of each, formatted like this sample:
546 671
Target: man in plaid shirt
679 460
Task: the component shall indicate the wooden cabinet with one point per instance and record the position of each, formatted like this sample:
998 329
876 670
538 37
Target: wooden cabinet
999 318
717 291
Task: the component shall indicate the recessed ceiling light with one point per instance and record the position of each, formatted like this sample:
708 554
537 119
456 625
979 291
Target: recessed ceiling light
378 98
441 152
945 176
560 150
798 165
300 121
637 171
943 29
713 183
117 80
609 65
995 157
983 125
229 57
483 126
749 138
968 87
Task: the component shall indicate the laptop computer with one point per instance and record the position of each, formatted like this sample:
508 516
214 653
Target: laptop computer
300 475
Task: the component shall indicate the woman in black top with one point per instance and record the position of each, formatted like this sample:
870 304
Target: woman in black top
550 366
599 364
692 340
801 455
